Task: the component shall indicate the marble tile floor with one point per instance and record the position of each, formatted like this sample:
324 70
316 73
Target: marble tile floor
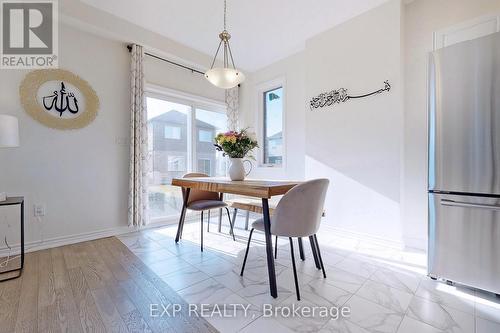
385 289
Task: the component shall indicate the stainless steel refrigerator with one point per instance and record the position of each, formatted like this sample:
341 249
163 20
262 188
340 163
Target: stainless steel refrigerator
464 163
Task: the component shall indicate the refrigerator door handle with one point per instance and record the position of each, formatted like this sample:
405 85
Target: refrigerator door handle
446 202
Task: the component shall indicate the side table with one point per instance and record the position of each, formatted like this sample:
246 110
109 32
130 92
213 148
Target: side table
12 201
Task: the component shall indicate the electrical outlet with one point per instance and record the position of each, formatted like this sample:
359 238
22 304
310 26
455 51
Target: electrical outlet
39 210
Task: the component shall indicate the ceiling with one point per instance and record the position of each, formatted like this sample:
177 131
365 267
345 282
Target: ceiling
263 31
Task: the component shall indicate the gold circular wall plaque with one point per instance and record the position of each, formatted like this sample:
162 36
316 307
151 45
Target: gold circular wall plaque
58 99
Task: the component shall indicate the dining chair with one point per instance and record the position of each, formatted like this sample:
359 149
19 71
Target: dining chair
201 201
298 214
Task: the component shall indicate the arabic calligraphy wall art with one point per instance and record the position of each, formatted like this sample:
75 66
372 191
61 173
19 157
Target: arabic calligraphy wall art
341 95
58 99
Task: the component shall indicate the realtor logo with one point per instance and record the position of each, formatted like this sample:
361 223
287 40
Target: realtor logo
29 34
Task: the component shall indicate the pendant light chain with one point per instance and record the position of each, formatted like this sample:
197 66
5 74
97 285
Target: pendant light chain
225 11
225 77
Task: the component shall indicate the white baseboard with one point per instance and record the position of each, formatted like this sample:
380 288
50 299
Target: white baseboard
78 238
405 243
415 243
390 243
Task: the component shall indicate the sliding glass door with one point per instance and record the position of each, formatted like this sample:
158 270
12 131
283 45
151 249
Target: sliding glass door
181 136
208 160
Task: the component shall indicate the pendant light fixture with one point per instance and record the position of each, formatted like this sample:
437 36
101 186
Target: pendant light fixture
226 77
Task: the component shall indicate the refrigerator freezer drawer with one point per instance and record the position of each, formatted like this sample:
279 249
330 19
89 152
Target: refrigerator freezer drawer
464 240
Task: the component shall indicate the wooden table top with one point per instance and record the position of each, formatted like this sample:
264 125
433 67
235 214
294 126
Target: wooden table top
249 187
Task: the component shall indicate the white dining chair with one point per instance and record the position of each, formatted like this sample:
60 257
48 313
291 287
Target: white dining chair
298 214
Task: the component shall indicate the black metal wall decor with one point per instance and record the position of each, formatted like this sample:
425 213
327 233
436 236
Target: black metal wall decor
341 95
61 101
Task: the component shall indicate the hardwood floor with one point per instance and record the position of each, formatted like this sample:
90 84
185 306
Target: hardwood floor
95 286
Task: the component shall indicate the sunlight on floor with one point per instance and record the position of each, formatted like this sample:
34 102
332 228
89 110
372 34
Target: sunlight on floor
386 288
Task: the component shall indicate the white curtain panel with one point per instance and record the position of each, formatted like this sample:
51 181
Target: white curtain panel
232 102
138 195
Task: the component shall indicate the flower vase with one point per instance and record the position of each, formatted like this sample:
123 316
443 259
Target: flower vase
237 169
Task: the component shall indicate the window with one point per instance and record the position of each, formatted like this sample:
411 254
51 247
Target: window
209 123
204 166
273 127
205 136
189 125
176 163
167 159
172 132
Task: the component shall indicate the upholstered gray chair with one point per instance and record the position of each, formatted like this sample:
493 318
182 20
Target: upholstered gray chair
205 201
298 214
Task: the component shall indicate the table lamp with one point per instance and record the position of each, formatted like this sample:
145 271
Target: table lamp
9 137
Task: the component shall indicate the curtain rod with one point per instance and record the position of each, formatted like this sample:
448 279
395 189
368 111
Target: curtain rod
192 70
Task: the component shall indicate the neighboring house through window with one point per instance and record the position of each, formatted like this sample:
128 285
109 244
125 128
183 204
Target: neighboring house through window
176 163
204 166
205 136
181 132
172 132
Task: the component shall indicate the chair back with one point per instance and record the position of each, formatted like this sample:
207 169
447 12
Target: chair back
299 212
196 195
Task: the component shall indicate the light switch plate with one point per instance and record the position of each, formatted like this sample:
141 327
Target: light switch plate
39 210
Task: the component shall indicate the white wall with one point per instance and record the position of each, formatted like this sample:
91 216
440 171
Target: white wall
159 73
422 19
373 150
82 175
65 170
357 144
291 70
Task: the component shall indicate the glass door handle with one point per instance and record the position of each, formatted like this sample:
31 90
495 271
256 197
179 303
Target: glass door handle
446 202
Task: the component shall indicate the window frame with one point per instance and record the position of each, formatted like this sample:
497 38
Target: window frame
263 88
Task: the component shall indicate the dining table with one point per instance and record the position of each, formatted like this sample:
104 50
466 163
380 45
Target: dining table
261 189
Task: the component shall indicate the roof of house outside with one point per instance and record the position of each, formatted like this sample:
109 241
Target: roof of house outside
180 118
276 136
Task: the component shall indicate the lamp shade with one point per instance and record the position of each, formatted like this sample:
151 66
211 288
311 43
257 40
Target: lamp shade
9 131
225 78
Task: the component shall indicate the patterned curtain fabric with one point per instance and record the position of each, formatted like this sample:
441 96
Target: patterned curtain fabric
232 101
138 195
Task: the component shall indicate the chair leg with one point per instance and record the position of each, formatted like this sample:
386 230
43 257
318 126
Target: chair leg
247 217
201 229
230 223
235 211
220 220
294 270
246 252
301 249
314 252
276 247
208 224
319 256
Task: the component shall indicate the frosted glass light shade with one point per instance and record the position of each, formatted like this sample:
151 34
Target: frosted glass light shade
225 78
9 131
